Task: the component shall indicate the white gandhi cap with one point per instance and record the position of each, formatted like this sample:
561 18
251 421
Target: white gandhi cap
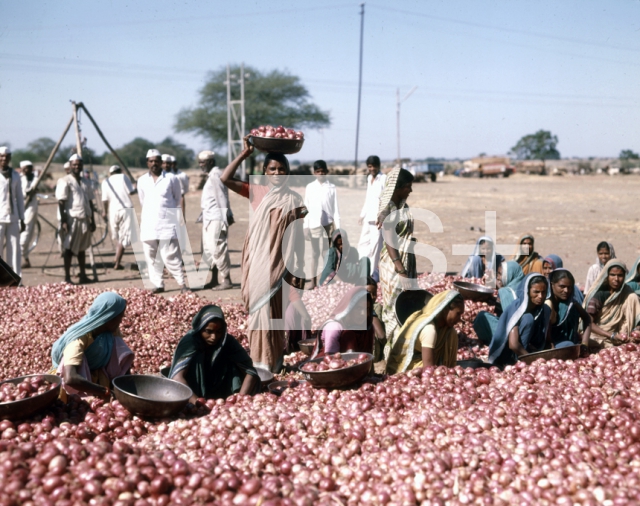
206 155
114 168
4 150
153 153
75 157
165 157
25 163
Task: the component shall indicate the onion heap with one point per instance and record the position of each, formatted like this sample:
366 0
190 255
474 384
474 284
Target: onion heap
334 362
29 387
278 132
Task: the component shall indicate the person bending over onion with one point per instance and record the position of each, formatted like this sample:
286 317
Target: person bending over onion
566 311
613 305
350 326
523 327
428 338
91 352
211 362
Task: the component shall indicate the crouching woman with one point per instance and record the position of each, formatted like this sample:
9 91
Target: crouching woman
211 362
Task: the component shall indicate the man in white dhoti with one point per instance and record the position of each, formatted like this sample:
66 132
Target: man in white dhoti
11 212
370 243
159 193
118 209
28 180
216 219
77 223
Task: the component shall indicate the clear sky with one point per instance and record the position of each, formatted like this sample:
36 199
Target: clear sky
487 72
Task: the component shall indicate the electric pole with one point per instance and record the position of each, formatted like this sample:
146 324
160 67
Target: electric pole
236 118
398 102
355 165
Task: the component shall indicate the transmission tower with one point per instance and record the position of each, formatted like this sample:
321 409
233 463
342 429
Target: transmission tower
235 117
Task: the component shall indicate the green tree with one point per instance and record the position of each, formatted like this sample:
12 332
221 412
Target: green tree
134 153
628 159
275 97
184 155
538 146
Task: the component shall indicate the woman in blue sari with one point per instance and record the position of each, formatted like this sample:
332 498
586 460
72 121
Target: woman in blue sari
508 278
566 311
633 279
91 352
524 326
482 261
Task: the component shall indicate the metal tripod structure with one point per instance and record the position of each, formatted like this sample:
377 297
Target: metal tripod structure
236 118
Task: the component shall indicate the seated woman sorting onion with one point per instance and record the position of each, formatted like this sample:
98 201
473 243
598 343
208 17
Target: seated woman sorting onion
482 263
211 362
508 277
524 326
566 311
428 338
613 305
91 352
633 279
350 326
343 262
527 257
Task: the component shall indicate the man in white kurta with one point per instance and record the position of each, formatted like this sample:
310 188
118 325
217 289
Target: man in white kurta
159 193
75 203
11 212
370 244
321 200
28 180
118 209
216 219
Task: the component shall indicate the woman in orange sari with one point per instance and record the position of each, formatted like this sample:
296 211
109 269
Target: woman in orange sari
527 257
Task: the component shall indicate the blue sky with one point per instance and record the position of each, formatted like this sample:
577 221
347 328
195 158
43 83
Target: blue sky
487 72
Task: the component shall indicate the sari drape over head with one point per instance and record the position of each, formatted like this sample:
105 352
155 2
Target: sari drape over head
565 328
265 255
212 372
474 268
346 265
531 261
633 279
499 352
389 278
403 354
595 270
620 311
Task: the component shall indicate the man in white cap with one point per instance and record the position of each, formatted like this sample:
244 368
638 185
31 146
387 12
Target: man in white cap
28 179
77 222
170 164
11 211
216 219
159 192
117 204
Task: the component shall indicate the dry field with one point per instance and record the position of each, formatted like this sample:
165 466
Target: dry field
567 215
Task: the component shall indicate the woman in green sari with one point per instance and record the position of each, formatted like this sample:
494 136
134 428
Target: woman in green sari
566 311
210 361
397 261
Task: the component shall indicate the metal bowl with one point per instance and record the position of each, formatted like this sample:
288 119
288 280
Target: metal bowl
568 353
26 407
266 377
278 387
340 377
409 302
473 364
471 291
8 277
273 145
151 396
307 345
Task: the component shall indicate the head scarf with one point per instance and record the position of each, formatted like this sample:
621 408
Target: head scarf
105 308
557 261
512 316
401 353
550 261
530 256
633 279
601 281
473 267
511 274
611 251
391 185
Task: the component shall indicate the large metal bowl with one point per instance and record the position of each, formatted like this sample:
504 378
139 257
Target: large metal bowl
26 407
471 291
307 345
410 301
273 145
568 353
8 277
473 364
151 396
340 377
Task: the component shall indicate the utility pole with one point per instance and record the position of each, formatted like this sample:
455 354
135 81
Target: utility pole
236 118
355 165
398 102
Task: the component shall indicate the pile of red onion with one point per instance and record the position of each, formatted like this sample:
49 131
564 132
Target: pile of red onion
549 433
278 132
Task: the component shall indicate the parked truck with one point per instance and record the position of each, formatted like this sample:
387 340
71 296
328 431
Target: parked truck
487 166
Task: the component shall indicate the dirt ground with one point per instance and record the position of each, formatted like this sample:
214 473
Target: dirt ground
567 215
